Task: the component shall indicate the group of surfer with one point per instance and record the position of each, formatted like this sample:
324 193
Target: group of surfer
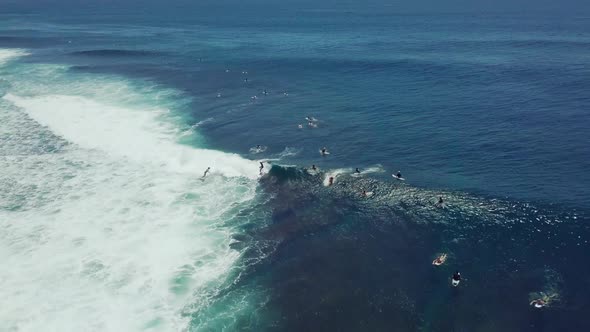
456 277
540 300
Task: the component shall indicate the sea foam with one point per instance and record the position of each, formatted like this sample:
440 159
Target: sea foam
106 224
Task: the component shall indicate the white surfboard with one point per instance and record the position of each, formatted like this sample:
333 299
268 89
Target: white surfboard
324 153
395 177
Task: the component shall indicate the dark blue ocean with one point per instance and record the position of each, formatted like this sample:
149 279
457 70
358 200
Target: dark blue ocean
112 113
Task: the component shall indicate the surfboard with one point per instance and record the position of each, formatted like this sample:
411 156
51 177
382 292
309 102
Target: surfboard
324 153
395 177
455 283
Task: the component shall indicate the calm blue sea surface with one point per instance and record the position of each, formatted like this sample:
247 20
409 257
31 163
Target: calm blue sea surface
491 111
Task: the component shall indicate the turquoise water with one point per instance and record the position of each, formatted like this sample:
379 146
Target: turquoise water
111 115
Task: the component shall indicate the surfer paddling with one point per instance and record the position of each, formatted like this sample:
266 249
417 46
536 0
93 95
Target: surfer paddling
456 279
440 260
538 303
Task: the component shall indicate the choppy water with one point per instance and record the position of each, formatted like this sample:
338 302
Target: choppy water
109 119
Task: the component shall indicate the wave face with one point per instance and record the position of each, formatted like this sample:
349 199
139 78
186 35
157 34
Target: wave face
106 224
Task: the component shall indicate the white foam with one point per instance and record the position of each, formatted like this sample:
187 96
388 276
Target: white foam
334 173
7 55
114 232
131 133
102 249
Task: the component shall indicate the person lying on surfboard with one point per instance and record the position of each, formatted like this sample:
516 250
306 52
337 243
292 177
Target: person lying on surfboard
538 303
456 279
544 300
440 260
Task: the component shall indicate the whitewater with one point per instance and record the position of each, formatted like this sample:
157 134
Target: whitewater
106 224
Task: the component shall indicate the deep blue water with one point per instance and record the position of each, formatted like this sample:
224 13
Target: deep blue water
489 110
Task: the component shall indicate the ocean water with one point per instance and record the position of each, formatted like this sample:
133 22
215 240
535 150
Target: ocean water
110 115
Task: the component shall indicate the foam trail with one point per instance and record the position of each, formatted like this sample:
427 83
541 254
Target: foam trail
191 129
369 170
287 152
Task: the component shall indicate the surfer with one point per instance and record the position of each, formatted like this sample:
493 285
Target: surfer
206 171
364 193
538 303
542 299
261 167
324 151
398 175
314 168
331 181
357 171
440 260
440 200
456 279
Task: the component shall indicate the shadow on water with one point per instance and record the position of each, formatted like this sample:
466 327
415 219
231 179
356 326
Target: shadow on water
343 262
